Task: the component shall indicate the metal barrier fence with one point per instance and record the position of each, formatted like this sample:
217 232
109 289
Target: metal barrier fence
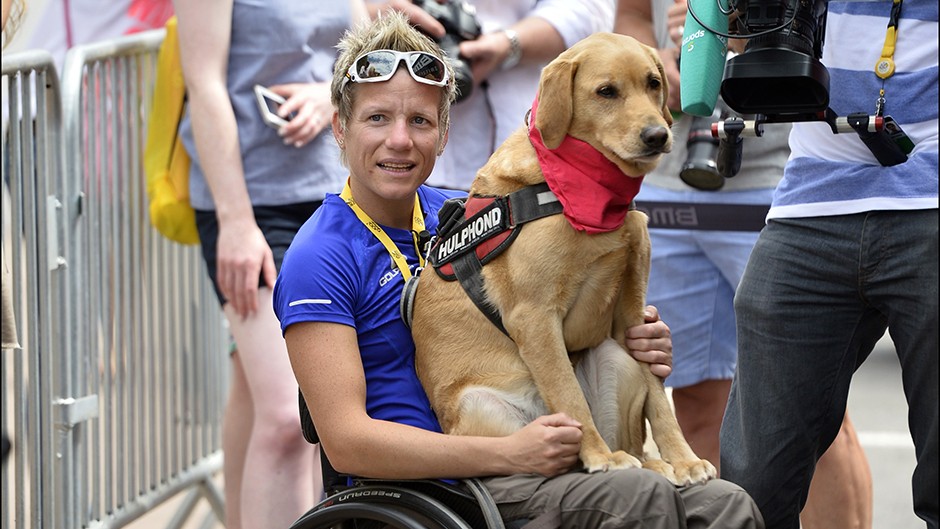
116 396
31 165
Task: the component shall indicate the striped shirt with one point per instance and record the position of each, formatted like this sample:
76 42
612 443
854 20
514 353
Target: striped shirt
836 174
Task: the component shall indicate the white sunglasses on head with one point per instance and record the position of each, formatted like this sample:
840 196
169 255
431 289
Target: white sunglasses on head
380 65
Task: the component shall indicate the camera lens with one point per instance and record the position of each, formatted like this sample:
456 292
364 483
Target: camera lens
702 173
460 23
700 169
463 79
800 36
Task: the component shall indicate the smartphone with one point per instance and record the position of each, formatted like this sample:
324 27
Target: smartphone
268 104
898 136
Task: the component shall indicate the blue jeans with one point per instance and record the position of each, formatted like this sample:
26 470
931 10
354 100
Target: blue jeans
816 296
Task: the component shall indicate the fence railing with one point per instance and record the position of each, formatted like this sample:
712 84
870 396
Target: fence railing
116 396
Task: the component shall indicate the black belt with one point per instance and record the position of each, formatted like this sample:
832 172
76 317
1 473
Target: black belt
710 217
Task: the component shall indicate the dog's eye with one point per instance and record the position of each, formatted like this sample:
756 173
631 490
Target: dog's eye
654 83
607 91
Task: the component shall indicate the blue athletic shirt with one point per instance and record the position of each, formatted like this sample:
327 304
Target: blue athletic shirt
836 174
337 271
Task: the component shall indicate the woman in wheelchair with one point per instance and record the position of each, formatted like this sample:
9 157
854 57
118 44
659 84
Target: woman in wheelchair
337 298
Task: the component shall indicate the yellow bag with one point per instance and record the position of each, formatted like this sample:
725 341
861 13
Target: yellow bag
166 162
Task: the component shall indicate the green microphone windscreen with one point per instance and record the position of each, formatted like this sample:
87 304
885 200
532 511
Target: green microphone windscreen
702 57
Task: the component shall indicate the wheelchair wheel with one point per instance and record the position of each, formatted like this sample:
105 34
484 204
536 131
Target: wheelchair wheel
351 515
397 507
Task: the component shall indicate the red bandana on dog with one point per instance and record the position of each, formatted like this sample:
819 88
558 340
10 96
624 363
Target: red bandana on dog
595 193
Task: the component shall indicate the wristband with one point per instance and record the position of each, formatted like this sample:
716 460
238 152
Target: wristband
515 49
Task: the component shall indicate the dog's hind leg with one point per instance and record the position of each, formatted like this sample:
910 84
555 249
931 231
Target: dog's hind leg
607 375
623 394
494 413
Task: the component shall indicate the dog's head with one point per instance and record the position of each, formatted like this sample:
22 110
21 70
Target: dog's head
610 91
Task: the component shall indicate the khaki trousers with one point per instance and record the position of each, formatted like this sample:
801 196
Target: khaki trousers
622 499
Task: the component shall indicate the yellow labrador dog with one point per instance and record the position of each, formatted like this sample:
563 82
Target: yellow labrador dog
572 279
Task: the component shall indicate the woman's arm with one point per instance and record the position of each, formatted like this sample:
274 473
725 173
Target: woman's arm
538 39
359 12
204 34
546 31
326 362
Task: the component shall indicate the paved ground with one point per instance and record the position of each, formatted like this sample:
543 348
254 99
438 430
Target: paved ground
877 407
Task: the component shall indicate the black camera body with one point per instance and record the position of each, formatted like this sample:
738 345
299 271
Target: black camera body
460 23
779 72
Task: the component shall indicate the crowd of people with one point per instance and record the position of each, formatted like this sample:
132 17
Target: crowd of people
767 327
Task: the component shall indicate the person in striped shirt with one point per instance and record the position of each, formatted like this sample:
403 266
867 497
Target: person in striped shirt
849 251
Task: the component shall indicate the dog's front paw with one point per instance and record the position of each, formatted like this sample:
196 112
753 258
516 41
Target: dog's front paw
663 468
612 460
682 473
693 472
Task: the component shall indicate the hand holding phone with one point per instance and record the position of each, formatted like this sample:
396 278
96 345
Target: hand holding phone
268 104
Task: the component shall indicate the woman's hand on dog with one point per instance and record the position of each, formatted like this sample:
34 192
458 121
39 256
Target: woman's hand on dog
548 445
651 342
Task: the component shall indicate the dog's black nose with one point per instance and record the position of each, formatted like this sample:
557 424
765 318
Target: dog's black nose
655 137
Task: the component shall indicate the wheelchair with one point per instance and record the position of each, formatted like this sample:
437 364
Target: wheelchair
356 503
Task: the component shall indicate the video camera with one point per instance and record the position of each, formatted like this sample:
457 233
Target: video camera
778 78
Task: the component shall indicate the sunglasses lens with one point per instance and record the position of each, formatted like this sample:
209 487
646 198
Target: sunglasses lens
427 66
375 64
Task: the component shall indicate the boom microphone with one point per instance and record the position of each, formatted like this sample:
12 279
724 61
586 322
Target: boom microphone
702 56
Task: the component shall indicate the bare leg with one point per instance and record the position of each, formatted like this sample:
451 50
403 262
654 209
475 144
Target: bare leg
280 474
236 430
840 496
699 410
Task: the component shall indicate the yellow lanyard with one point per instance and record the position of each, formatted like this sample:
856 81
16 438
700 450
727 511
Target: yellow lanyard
884 68
417 226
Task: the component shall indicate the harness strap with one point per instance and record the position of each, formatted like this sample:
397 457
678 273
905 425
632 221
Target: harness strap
487 224
406 305
533 202
469 272
463 260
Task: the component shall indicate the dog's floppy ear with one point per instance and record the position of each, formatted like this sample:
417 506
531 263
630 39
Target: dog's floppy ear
654 56
556 93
